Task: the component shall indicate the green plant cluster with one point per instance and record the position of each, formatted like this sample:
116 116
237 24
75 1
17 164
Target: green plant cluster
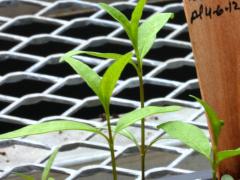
142 36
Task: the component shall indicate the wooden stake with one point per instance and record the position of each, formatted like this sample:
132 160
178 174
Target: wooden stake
214 27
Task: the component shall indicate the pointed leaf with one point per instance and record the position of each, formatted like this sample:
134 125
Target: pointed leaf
112 75
90 76
138 114
126 133
222 155
135 19
148 31
215 123
47 127
227 177
49 165
189 135
72 53
120 17
25 177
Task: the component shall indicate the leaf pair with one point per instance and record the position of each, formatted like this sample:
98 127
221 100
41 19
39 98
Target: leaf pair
142 37
132 117
104 87
62 125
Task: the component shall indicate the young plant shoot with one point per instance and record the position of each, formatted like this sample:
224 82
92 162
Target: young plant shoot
194 137
142 38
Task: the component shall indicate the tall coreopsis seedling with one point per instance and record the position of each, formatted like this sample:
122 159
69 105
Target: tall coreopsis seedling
142 38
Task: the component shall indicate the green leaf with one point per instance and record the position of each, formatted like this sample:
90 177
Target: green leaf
120 17
91 77
49 165
47 127
135 19
72 53
222 155
215 123
189 135
25 177
227 177
126 133
111 76
138 114
148 31
51 178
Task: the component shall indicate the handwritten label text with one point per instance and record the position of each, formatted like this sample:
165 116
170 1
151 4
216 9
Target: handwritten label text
205 11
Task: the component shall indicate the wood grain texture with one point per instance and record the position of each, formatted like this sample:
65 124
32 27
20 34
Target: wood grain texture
216 48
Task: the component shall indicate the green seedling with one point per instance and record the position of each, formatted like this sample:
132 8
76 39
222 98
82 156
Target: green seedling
194 137
46 171
142 38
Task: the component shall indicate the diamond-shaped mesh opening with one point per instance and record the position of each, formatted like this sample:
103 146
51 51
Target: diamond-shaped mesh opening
195 162
15 156
70 10
96 153
8 127
46 47
30 27
154 158
23 87
97 112
183 36
56 69
185 94
161 174
109 46
164 32
181 74
79 91
127 11
3 105
104 175
151 91
7 44
12 64
86 30
16 8
130 72
165 52
40 109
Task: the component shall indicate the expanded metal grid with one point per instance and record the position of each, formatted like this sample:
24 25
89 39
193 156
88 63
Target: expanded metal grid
35 87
